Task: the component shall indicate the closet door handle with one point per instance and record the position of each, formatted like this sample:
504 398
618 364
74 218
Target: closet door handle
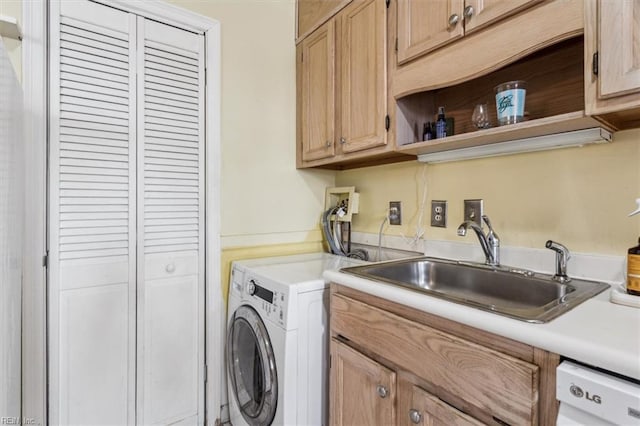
170 268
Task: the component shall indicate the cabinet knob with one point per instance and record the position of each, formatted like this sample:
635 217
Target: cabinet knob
343 140
382 391
170 268
453 20
468 12
328 143
415 416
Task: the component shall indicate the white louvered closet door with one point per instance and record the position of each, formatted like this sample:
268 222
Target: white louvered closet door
92 215
170 225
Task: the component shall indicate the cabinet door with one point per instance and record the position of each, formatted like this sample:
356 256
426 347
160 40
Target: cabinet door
318 93
619 47
423 25
364 76
170 309
428 410
480 13
362 391
92 229
312 13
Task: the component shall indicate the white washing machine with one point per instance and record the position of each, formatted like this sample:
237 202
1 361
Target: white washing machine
277 340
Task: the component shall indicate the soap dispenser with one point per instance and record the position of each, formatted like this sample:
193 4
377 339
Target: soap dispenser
633 270
633 263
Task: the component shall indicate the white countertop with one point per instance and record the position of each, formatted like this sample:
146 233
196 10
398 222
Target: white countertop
596 332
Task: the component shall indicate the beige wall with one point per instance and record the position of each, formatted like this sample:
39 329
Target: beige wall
264 198
13 9
580 196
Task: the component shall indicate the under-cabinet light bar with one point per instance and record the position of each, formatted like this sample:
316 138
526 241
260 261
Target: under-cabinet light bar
575 138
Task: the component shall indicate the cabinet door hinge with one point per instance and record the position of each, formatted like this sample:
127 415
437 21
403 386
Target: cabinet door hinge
206 371
45 260
594 64
387 123
388 2
330 362
396 44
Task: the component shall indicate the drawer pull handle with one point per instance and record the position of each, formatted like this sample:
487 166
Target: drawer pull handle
171 268
415 416
382 391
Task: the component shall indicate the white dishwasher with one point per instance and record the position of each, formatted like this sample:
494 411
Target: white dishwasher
590 397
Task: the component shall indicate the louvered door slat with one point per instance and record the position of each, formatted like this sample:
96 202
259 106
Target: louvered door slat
81 71
96 111
160 101
95 118
69 99
94 141
176 127
84 22
104 45
177 95
154 66
155 116
118 66
185 81
104 230
82 65
183 58
87 93
96 79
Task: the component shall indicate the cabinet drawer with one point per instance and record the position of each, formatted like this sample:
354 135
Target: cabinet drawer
165 265
496 383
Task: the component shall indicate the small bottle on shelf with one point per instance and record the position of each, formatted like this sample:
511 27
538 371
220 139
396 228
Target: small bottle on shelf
427 131
441 124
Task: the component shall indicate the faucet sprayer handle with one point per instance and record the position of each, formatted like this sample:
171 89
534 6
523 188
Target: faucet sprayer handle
562 257
558 248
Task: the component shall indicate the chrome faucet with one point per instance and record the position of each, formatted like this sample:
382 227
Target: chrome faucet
490 243
562 257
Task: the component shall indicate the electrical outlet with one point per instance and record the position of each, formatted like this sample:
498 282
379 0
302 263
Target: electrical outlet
439 213
473 211
395 213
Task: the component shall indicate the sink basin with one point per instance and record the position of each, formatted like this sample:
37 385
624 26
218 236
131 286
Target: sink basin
514 293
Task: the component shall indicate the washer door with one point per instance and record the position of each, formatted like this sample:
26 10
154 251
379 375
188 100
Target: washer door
252 367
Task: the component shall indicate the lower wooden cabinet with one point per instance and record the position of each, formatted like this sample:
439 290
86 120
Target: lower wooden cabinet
391 364
363 391
419 407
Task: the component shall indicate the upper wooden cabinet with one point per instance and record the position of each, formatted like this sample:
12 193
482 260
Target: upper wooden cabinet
364 76
342 87
424 25
317 69
612 71
311 14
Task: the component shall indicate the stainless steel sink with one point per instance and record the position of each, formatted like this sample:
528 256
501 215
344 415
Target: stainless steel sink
515 293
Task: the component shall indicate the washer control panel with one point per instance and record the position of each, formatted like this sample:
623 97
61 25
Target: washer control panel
271 302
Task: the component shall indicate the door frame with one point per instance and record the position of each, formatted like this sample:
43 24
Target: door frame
35 83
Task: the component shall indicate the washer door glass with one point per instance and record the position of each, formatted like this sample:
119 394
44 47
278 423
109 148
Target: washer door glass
252 367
